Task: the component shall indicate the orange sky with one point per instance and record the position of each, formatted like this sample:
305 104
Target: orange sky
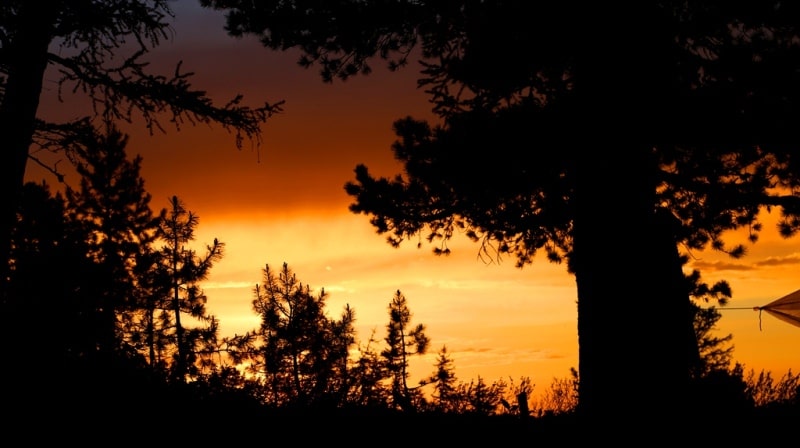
285 202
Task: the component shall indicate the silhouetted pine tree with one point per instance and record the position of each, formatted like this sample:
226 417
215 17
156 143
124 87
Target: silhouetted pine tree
301 353
482 398
184 269
112 208
55 282
148 331
333 352
445 395
368 375
403 341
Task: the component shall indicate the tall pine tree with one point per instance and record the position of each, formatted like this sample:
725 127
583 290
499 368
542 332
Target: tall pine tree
183 269
112 207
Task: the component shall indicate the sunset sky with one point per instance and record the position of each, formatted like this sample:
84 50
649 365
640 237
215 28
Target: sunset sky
285 202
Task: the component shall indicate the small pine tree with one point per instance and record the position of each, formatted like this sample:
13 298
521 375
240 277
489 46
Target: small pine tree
367 376
482 398
403 342
445 396
301 353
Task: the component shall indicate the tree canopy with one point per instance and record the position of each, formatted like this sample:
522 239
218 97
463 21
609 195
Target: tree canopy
97 50
583 131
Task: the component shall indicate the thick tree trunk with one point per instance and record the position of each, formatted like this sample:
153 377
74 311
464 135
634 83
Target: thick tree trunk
631 299
31 382
27 61
631 293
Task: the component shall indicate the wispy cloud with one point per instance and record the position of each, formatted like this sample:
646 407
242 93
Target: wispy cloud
229 285
786 260
780 261
721 266
476 350
502 355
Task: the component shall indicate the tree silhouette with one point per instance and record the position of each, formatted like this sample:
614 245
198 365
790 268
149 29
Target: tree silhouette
64 349
445 398
367 376
402 342
52 333
711 352
113 209
482 398
556 138
301 353
519 394
716 352
184 270
97 49
46 278
766 390
86 243
148 329
561 396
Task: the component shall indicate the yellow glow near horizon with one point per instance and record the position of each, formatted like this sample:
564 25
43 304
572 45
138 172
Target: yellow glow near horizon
488 315
497 321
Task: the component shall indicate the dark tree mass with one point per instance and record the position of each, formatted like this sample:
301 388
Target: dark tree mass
99 49
577 130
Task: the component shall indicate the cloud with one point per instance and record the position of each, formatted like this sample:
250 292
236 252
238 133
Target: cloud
787 260
229 285
501 355
549 355
721 266
476 350
790 259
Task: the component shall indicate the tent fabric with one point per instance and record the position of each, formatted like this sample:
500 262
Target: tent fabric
787 308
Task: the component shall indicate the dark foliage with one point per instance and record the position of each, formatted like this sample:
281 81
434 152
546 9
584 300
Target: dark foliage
152 370
557 136
98 51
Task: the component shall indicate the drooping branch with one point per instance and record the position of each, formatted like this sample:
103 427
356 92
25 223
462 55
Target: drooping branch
118 92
